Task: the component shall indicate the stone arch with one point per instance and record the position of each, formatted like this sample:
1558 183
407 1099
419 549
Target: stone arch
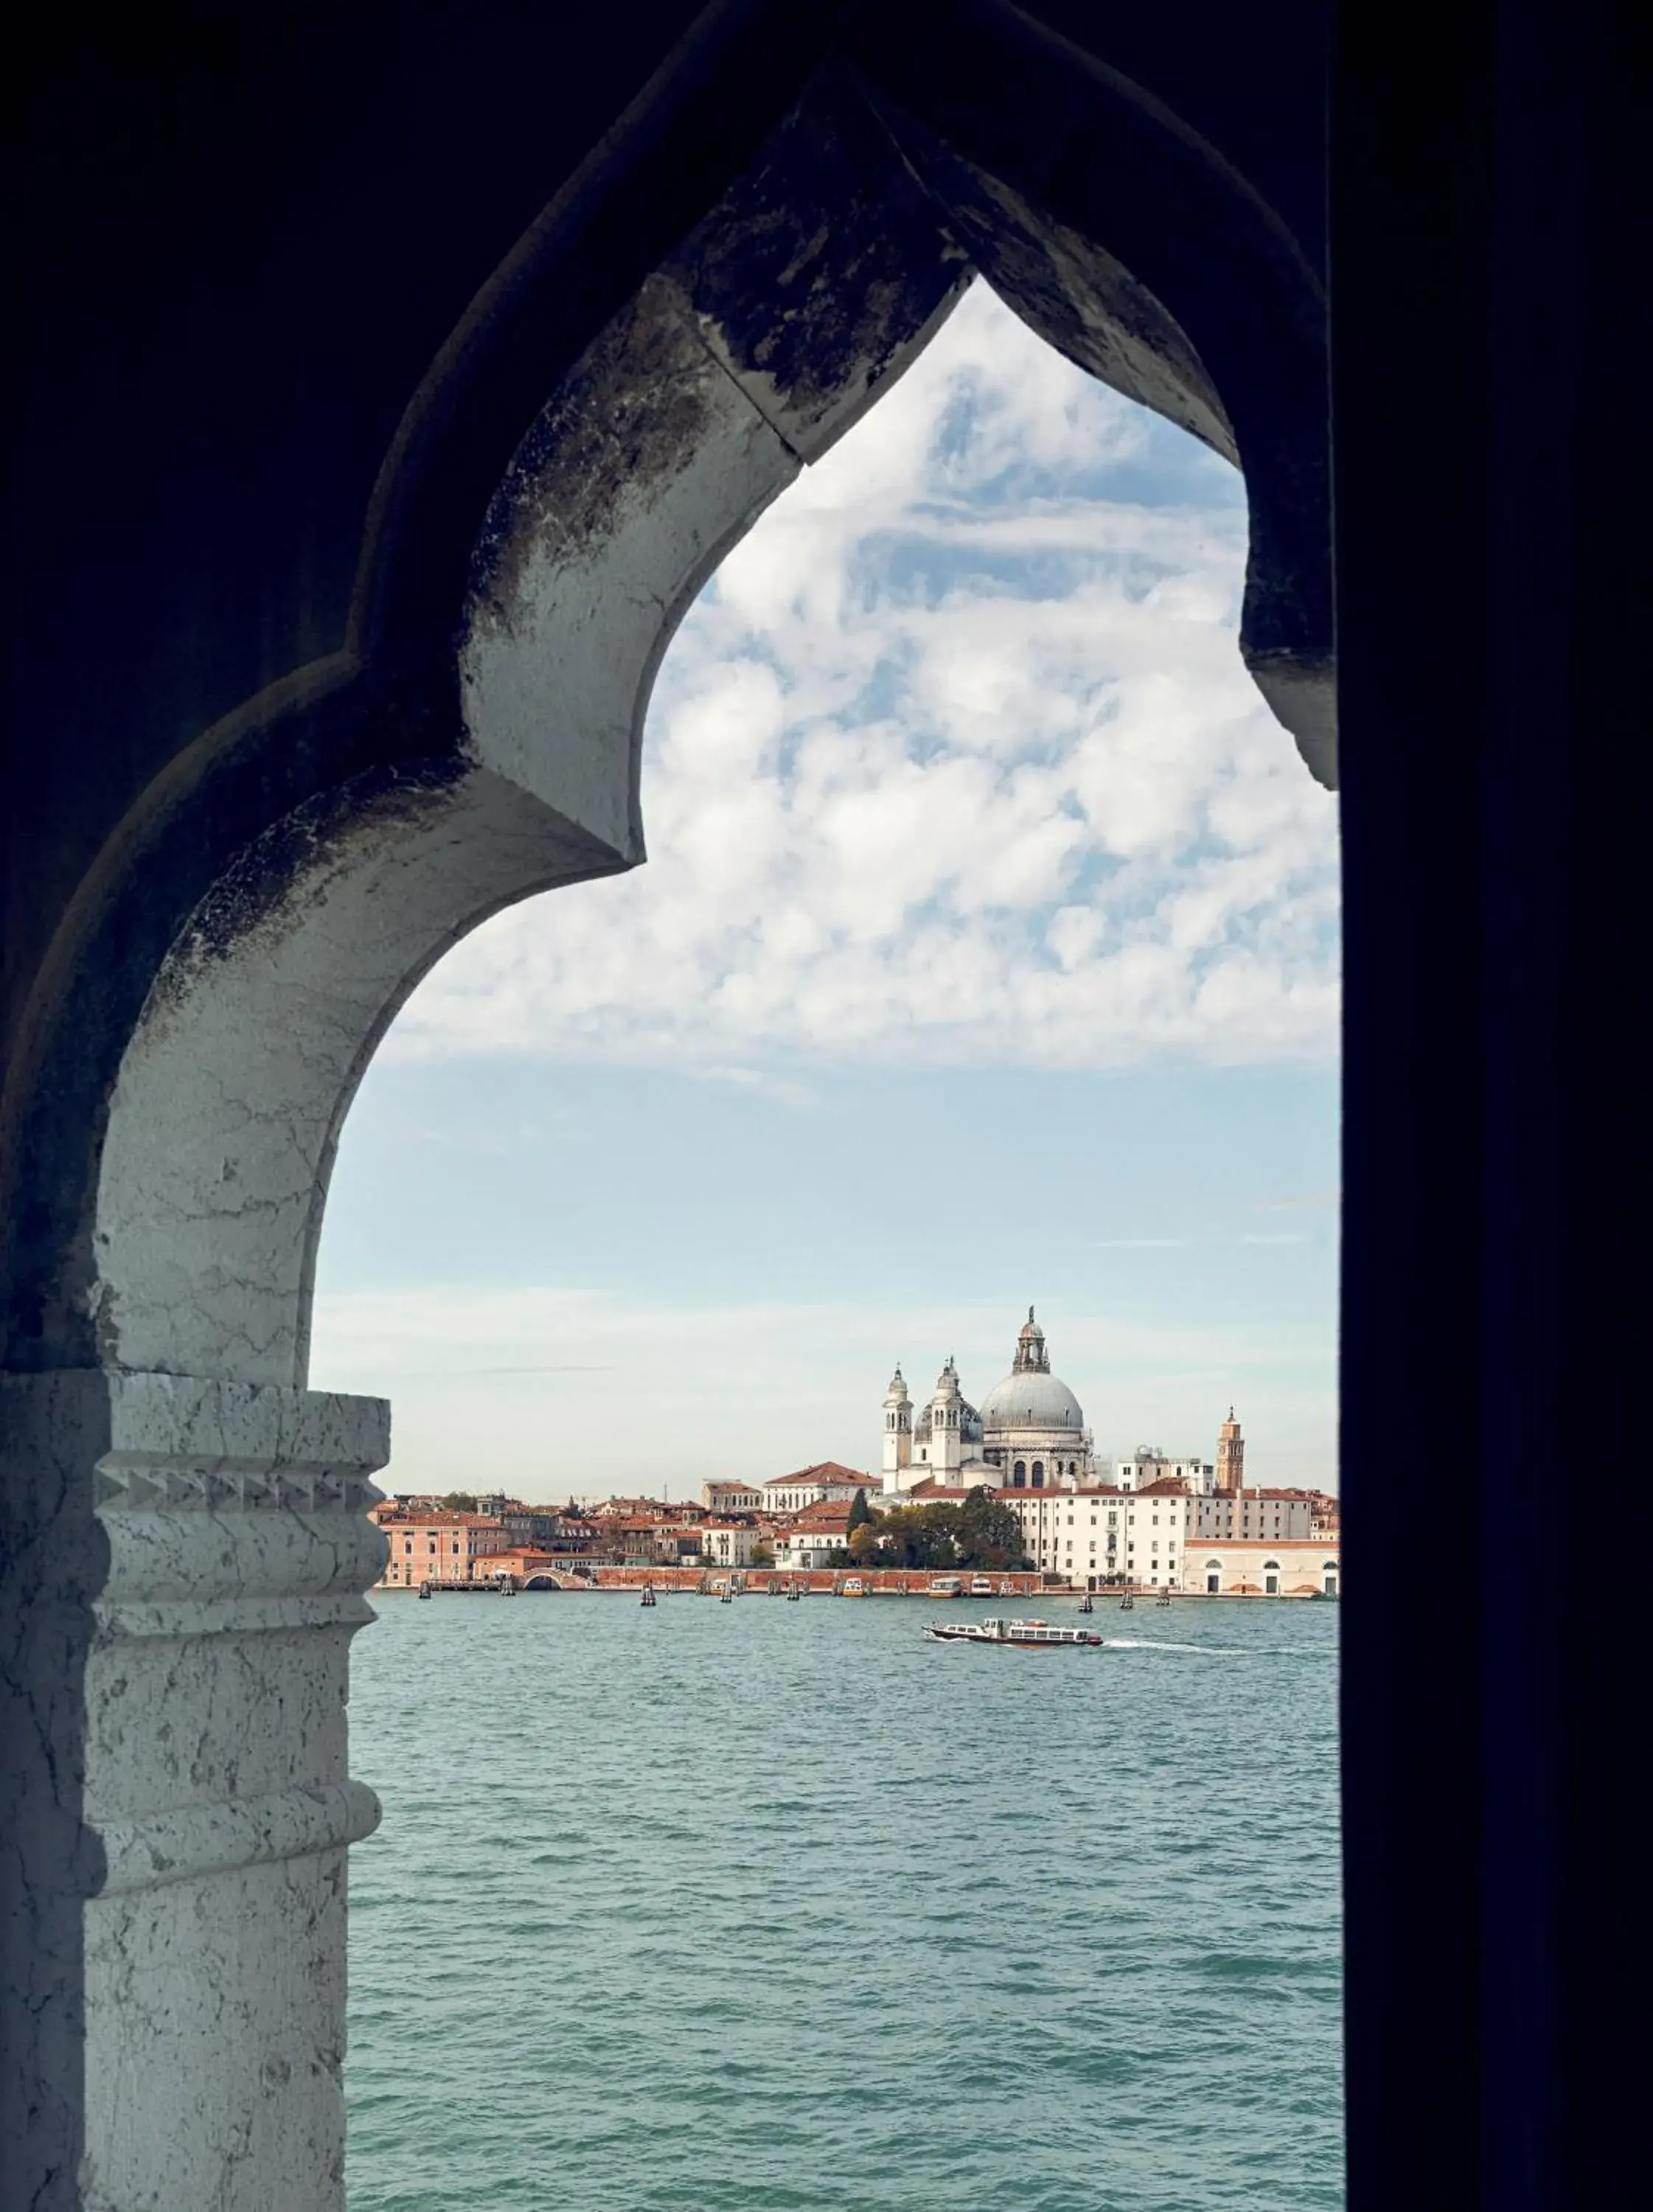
267 909
583 453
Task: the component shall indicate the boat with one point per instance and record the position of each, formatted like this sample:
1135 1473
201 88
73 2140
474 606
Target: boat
853 1587
945 1586
1014 1635
981 1586
648 1596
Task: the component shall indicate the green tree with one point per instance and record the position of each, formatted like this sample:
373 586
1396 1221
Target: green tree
761 1556
859 1513
863 1544
989 1533
460 1501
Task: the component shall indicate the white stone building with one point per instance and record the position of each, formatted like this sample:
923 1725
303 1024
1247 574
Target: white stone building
1237 1567
1287 1516
1148 1463
1029 1433
814 1538
1093 1534
727 1496
729 1545
827 1484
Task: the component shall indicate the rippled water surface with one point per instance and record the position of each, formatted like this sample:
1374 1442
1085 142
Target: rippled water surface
766 1905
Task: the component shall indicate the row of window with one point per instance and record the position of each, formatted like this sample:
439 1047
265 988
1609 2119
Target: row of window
1019 1474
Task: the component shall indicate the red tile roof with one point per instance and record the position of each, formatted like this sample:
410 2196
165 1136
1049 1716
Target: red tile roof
826 1470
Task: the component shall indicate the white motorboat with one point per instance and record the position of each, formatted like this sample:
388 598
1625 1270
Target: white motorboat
1013 1635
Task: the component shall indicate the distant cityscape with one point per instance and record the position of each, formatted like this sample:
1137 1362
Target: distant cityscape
1011 1494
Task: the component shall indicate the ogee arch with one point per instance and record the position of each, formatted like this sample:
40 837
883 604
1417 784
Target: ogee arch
550 509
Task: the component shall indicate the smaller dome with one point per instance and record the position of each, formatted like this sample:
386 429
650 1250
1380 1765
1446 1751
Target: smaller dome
1031 1356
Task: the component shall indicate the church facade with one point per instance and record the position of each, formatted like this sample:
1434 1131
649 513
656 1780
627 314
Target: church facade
1027 1434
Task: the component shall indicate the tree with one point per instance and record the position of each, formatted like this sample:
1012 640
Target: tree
981 1532
990 1532
859 1513
761 1556
863 1543
460 1501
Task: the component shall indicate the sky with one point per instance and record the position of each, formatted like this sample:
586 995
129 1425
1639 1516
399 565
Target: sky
987 956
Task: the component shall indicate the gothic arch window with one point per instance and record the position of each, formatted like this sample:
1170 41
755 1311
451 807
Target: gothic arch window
490 826
1019 1477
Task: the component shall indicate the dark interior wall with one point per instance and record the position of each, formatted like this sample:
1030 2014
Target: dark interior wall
1492 585
243 235
1252 81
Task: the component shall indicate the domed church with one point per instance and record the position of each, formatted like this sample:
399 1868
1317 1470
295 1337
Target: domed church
1030 1433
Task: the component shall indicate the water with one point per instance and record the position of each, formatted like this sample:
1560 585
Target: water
778 1908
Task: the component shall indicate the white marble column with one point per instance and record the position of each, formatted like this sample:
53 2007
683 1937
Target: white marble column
201 1550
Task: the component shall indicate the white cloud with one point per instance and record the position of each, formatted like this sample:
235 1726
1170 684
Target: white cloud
955 759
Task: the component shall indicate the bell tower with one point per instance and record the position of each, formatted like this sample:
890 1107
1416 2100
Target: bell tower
897 1431
1230 1458
946 1423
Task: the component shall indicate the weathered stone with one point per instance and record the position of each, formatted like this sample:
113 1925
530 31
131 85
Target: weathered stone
190 1637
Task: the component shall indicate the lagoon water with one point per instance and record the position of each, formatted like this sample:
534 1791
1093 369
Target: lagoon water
779 1908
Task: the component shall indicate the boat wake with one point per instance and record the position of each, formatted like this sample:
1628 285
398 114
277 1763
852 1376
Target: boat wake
1161 1643
1210 1650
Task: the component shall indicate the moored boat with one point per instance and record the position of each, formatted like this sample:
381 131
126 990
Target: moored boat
981 1586
1014 1635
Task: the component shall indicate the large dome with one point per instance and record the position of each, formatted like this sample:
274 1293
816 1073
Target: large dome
1031 1400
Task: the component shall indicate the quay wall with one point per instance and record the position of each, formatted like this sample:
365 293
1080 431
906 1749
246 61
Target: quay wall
821 1582
753 1581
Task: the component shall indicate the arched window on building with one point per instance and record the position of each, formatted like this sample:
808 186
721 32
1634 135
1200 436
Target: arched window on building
1039 1474
1018 1476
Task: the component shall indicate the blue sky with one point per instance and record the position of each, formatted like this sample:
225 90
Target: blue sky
987 954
